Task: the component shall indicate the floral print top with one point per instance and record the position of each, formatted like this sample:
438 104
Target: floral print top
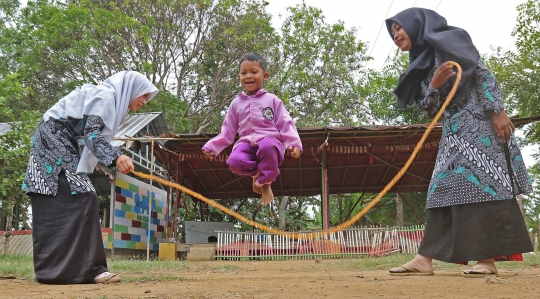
56 146
471 165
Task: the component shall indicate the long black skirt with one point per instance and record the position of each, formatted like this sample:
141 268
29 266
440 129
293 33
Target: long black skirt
68 246
472 232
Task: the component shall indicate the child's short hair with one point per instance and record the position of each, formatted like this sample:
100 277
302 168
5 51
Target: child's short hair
255 57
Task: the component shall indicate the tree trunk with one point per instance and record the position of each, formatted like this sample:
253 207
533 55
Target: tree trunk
399 210
538 234
281 212
105 220
9 225
340 208
255 212
26 225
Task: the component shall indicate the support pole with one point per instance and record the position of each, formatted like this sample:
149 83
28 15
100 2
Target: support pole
168 204
325 213
150 202
111 209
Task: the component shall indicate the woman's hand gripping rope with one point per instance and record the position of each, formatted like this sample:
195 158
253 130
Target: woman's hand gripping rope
343 225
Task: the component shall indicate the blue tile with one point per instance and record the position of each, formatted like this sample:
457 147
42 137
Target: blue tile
119 244
119 213
135 238
126 193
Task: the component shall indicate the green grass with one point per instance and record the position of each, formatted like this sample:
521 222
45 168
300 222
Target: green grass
132 270
17 265
154 277
138 266
394 260
221 269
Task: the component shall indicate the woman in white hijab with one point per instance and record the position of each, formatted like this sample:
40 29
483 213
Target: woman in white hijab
68 247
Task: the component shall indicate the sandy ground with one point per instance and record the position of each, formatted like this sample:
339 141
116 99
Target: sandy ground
287 279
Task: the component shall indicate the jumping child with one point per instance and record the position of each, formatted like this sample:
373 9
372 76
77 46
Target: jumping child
264 126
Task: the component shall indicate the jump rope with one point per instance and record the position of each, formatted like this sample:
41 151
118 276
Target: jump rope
338 227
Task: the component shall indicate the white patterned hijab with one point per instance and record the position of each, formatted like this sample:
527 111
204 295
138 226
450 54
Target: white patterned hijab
109 100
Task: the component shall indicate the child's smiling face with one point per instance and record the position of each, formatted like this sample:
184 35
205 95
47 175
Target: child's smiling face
252 76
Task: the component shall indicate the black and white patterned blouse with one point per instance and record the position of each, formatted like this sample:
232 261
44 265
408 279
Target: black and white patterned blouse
471 165
56 146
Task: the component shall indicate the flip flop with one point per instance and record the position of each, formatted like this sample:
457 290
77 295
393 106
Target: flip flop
480 272
405 271
108 278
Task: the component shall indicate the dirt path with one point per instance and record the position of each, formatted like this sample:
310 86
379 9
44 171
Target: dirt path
287 279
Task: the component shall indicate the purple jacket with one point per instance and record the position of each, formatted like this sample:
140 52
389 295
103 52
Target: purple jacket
254 118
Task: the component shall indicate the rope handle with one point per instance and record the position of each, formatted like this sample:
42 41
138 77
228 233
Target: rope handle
340 226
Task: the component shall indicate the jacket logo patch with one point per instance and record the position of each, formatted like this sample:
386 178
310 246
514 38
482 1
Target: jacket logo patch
268 113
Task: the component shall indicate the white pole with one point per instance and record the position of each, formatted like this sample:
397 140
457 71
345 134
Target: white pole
111 210
150 202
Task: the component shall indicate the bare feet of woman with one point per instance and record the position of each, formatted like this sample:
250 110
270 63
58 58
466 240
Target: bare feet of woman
256 188
267 195
420 265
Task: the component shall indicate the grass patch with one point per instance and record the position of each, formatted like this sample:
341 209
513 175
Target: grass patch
19 266
143 271
394 260
154 277
137 266
221 268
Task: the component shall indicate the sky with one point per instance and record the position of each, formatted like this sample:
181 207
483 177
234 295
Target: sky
489 23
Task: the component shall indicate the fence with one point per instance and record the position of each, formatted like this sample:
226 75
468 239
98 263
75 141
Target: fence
232 245
16 242
19 242
352 242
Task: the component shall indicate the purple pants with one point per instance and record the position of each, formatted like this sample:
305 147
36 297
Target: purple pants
263 159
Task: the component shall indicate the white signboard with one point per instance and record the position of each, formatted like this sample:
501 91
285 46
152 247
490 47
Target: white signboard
200 231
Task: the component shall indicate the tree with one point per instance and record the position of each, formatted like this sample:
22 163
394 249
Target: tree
519 73
382 102
14 154
189 48
316 68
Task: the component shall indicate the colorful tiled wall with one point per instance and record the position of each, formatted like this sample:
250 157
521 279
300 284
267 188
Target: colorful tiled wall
131 215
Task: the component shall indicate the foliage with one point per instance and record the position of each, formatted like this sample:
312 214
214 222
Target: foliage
344 206
189 48
519 73
382 102
15 150
316 69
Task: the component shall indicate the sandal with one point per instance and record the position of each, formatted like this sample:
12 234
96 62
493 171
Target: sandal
480 272
482 268
106 277
406 271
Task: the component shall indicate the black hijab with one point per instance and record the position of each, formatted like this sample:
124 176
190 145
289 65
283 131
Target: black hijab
431 36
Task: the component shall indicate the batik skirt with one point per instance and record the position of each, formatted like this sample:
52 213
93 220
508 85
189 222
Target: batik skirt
68 246
471 232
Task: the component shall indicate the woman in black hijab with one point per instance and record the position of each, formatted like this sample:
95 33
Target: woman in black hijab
472 214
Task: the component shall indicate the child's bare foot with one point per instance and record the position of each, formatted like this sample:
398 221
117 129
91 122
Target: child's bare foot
256 188
267 195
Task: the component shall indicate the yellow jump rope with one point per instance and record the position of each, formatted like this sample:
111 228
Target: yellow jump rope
338 227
